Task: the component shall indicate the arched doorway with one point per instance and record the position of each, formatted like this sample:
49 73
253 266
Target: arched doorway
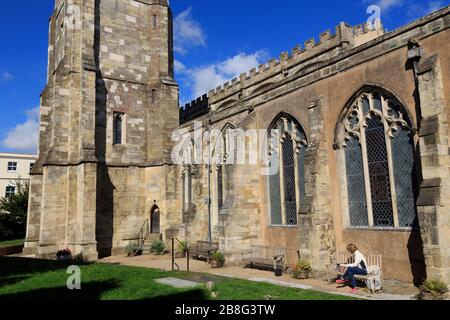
155 221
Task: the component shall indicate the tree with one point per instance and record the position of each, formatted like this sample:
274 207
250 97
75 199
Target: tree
13 212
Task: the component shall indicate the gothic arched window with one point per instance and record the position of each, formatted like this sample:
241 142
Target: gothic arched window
187 154
378 152
224 155
287 144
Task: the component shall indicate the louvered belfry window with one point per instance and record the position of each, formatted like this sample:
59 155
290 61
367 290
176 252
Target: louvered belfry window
287 144
378 152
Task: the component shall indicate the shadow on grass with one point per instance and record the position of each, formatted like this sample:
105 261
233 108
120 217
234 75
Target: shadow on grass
89 291
11 280
196 294
11 266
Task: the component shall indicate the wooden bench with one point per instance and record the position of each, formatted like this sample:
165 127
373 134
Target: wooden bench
202 251
265 258
374 277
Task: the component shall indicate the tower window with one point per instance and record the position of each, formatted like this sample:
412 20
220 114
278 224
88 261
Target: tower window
153 95
155 21
118 130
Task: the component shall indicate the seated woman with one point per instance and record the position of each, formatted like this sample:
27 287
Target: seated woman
359 267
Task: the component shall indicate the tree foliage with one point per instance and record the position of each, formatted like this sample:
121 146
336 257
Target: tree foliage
13 213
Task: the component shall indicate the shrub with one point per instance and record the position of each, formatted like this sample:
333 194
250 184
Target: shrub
13 213
133 250
434 286
303 265
301 269
64 253
218 257
158 247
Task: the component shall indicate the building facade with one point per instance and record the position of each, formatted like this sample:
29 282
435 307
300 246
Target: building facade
14 167
356 123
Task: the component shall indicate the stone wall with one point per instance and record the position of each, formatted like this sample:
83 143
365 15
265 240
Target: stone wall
314 85
88 194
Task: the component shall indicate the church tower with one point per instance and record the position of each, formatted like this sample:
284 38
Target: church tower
107 115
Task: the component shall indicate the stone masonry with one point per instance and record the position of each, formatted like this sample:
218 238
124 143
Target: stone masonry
93 196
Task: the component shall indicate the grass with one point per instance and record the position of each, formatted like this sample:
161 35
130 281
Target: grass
9 243
22 278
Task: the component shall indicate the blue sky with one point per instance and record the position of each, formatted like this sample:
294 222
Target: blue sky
214 41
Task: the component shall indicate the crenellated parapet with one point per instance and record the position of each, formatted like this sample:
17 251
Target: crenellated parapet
326 46
194 109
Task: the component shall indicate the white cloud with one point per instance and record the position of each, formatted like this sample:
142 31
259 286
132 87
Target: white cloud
416 11
205 78
434 6
179 67
187 32
386 5
5 76
24 137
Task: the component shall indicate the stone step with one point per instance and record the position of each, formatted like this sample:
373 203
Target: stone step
153 237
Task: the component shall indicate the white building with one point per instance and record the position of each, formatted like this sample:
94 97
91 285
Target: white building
14 166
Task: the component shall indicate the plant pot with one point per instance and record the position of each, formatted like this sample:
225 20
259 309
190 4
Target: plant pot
301 274
216 264
424 295
278 273
64 258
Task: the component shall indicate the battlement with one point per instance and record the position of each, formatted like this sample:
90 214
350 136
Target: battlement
344 35
326 46
194 109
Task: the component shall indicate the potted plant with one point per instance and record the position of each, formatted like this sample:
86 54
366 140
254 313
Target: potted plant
64 254
433 290
181 250
158 248
133 250
217 259
301 270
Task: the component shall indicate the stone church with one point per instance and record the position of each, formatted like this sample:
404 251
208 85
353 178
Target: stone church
362 147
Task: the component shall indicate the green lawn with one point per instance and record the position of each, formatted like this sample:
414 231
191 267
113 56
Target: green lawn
38 279
9 243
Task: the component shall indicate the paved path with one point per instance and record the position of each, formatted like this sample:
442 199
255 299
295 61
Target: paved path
392 291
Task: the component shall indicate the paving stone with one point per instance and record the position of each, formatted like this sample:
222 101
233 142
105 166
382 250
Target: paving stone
178 283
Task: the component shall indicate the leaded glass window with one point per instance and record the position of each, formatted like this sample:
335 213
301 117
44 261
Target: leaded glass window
187 155
220 186
287 145
225 155
357 205
379 163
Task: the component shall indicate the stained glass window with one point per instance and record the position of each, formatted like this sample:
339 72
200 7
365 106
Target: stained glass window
405 177
379 173
287 145
379 163
220 186
357 204
290 201
187 154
